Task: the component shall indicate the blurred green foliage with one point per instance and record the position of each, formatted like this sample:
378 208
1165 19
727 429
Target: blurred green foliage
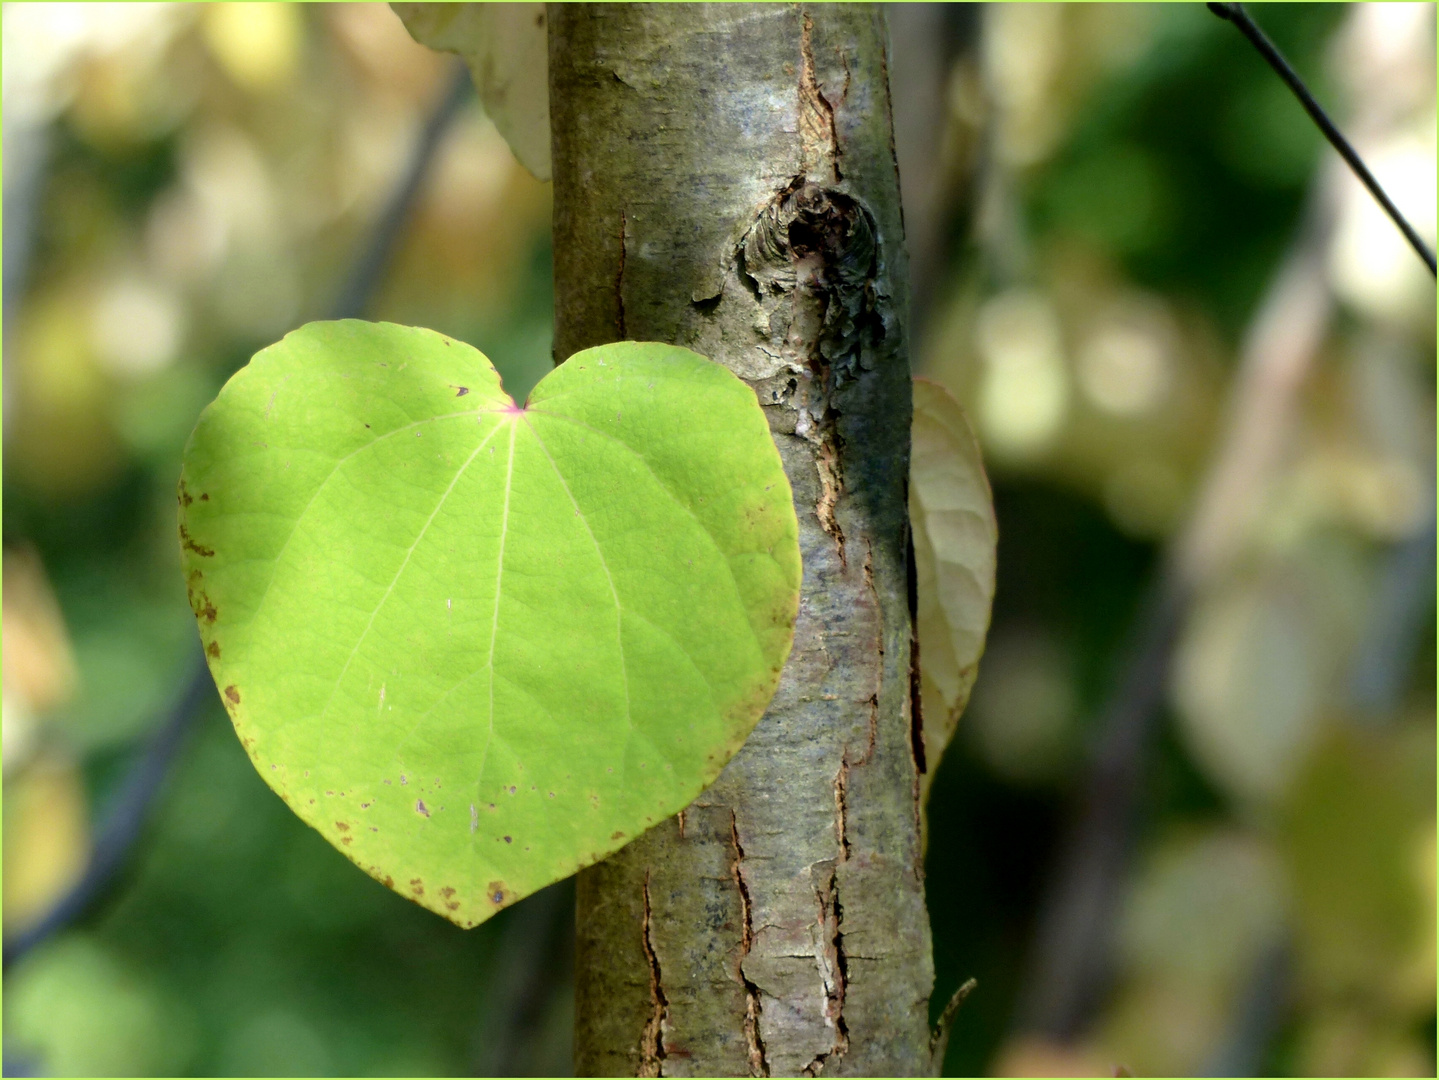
1125 183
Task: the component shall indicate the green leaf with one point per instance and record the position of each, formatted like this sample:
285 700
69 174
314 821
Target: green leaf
478 646
952 516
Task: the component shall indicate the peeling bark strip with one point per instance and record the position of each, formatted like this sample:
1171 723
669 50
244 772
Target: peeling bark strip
699 200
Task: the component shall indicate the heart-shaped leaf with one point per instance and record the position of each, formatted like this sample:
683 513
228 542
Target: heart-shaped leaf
478 646
951 512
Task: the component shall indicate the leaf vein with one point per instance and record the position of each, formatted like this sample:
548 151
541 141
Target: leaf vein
406 562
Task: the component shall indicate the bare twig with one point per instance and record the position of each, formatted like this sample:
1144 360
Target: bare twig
939 1037
1236 14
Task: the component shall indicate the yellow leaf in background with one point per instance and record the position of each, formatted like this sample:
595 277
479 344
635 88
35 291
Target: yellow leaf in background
1351 831
1159 1027
1262 661
1206 902
39 663
952 516
1028 1055
47 837
258 45
506 48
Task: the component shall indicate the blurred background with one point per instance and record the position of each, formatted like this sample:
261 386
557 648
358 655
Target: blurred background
1187 826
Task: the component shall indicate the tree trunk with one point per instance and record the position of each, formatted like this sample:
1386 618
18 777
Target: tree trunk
725 180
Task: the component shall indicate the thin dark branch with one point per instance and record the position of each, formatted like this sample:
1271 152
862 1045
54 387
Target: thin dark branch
126 818
124 823
1259 1014
370 267
1073 940
1403 606
1236 14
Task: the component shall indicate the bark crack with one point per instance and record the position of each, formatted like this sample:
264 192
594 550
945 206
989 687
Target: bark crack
889 120
831 486
818 132
754 1041
833 970
652 1041
916 704
620 276
873 734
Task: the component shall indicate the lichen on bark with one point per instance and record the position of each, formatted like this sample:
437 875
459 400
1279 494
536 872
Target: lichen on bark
725 180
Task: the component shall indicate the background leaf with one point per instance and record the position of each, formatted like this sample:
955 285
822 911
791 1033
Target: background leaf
506 49
462 639
952 515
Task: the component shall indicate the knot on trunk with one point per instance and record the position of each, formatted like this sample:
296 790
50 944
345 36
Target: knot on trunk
817 245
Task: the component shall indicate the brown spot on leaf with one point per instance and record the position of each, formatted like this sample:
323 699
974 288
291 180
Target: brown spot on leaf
447 892
342 826
617 835
204 496
389 882
417 886
189 545
453 905
461 391
346 839
213 650
509 839
495 892
420 807
232 695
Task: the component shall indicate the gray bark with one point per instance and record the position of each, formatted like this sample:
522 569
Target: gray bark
725 180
